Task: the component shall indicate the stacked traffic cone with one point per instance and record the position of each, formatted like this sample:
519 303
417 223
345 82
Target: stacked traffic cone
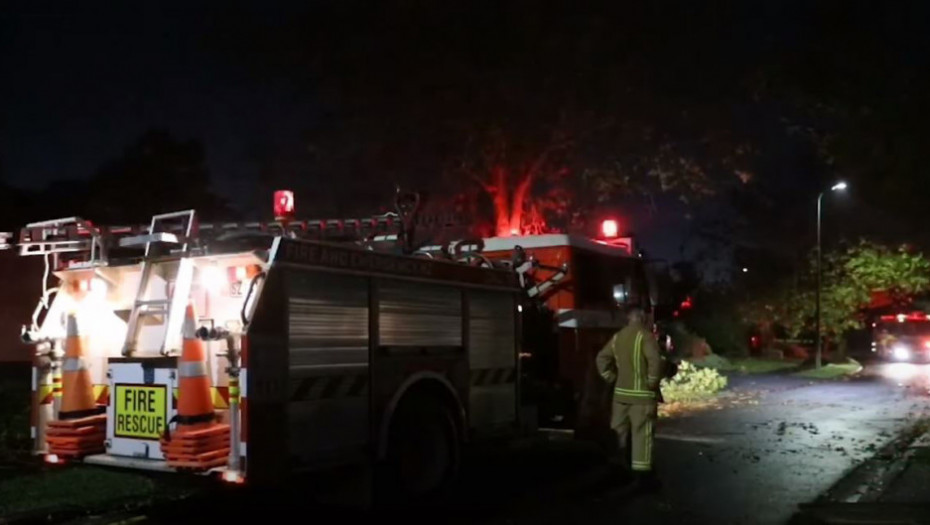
80 428
199 442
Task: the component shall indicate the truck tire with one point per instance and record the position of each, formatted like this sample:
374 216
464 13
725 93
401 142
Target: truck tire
423 452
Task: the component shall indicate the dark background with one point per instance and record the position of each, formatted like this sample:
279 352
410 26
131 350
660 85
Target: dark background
117 111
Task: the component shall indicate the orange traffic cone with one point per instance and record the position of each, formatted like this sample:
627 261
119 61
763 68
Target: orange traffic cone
81 426
78 387
199 442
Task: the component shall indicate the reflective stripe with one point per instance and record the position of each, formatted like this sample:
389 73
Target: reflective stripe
233 388
72 326
649 442
75 364
189 328
243 382
637 354
607 375
56 384
192 369
634 393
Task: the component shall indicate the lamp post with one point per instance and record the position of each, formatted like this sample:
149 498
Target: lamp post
838 186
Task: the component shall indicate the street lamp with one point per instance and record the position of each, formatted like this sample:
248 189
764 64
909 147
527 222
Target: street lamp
839 186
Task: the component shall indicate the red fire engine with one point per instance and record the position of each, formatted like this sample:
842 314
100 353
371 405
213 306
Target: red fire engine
902 337
251 351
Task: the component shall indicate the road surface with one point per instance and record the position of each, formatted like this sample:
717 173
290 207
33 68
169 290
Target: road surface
783 443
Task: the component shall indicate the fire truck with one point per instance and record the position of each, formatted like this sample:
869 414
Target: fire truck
902 337
252 351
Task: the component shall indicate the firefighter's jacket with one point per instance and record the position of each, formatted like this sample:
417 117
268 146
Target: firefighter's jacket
632 362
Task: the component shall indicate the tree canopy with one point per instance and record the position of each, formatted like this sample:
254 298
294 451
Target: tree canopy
850 277
156 173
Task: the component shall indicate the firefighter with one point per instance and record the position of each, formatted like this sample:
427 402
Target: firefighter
632 363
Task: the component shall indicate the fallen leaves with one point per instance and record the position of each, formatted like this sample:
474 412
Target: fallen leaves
719 402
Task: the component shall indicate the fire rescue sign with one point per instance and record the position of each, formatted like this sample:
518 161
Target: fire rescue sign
141 411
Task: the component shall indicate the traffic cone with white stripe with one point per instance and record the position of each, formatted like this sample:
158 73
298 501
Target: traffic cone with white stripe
81 426
199 442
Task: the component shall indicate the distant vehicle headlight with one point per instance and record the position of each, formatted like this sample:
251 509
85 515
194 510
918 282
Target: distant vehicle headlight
901 352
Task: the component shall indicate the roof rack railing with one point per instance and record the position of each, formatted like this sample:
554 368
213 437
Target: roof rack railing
86 244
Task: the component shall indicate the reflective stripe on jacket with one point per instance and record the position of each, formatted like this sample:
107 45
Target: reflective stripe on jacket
631 360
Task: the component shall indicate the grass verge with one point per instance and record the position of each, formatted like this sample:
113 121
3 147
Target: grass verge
755 365
77 486
832 370
747 365
81 489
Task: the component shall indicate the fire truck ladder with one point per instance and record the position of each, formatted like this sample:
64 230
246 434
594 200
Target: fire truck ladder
172 307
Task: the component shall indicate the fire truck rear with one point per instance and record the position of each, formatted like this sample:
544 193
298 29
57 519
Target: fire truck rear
254 351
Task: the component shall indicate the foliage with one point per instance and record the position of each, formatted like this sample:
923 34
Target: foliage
692 383
537 180
716 318
849 278
714 323
155 174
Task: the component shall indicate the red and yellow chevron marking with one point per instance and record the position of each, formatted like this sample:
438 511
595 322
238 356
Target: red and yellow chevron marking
220 397
46 394
102 394
56 384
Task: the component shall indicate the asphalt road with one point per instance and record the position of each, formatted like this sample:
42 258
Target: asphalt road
781 441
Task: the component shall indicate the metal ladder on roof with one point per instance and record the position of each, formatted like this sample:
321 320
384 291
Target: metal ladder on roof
172 307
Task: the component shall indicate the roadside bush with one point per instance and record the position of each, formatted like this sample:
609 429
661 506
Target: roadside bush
692 383
724 332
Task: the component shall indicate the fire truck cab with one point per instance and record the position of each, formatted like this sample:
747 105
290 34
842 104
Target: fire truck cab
589 283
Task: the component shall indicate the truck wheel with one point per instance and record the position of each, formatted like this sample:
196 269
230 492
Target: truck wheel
423 451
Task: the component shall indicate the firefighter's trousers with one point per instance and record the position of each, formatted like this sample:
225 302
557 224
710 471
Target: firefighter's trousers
633 425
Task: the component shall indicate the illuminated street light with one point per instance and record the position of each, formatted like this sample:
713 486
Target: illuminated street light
839 186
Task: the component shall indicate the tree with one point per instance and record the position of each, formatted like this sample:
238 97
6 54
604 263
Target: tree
554 177
155 174
549 114
850 277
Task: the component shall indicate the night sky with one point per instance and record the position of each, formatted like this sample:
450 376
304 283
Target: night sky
304 94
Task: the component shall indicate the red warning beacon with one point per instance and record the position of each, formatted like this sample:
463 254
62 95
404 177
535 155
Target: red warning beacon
284 205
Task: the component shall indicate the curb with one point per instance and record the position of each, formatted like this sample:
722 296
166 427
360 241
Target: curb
855 497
